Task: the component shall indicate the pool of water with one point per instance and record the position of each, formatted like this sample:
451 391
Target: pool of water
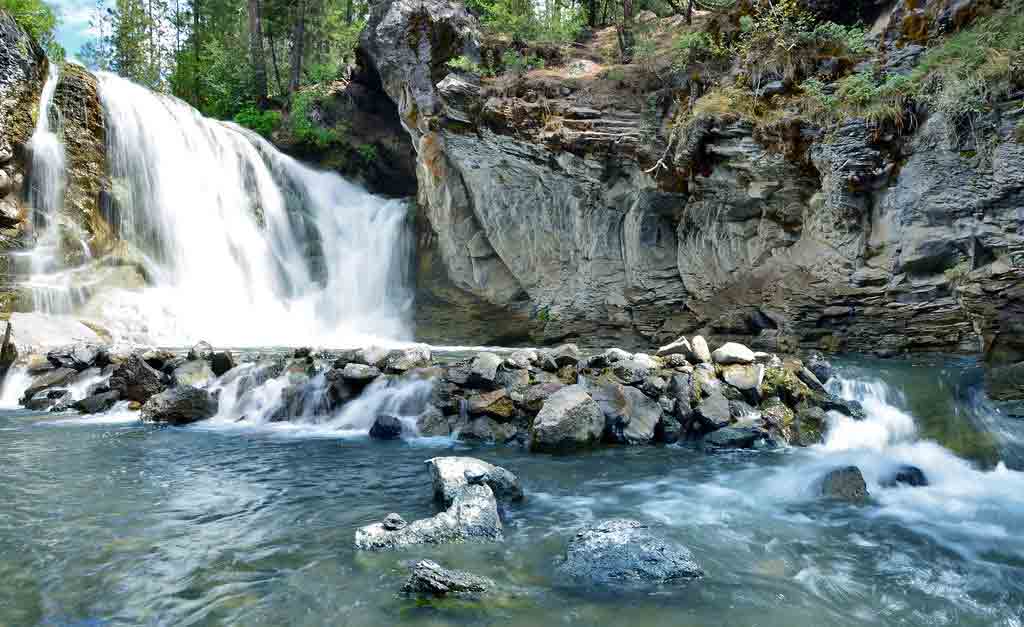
104 521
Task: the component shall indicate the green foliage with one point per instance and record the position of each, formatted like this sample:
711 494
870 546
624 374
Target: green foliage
782 39
301 123
263 122
860 95
39 21
1018 132
524 20
367 152
467 65
517 63
695 47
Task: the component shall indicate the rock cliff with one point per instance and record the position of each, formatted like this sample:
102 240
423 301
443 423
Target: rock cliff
570 200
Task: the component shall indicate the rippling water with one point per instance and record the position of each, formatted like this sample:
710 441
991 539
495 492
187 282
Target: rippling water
107 522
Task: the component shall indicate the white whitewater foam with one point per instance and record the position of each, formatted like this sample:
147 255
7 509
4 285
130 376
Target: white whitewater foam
244 245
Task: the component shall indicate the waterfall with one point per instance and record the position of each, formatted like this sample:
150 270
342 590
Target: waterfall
54 288
243 245
46 183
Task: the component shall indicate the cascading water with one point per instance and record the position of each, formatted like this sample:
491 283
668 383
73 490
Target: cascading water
54 288
243 245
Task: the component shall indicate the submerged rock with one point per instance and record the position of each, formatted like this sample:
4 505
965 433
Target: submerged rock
626 552
451 475
181 405
472 517
386 427
431 579
845 483
569 419
97 403
734 438
906 475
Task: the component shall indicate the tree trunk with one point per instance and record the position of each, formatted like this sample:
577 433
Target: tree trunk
626 38
298 40
689 12
591 13
273 61
259 61
348 11
195 51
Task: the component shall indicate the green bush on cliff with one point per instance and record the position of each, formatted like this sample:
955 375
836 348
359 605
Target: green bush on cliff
303 126
263 122
39 21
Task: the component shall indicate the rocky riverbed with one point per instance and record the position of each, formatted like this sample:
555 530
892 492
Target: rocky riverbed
551 400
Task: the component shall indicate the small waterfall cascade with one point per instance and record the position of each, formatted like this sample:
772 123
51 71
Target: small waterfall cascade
53 285
244 246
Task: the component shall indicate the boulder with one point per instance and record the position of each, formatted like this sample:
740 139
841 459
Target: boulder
202 350
744 377
734 437
523 358
565 355
429 578
535 395
403 359
221 362
732 353
906 475
451 475
46 399
386 427
484 369
811 380
433 423
569 419
626 552
496 404
196 373
820 366
135 380
701 352
851 408
359 374
157 358
844 484
180 405
630 416
8 352
679 347
714 412
512 379
97 403
472 517
485 429
631 371
50 379
811 424
79 356
1005 382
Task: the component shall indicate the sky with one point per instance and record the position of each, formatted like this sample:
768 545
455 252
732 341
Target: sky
74 29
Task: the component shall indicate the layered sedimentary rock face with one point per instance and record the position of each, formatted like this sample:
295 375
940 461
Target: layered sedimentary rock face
583 211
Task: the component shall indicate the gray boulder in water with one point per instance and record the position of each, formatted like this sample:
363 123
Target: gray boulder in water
906 475
845 484
472 517
429 578
97 403
451 475
135 380
179 406
626 552
569 419
386 427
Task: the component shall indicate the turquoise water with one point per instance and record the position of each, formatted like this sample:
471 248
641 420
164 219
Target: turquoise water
108 522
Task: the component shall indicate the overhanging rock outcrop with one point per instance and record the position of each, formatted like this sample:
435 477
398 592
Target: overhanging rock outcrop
542 199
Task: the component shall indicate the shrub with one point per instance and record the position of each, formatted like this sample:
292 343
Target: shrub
303 126
263 122
465 64
517 63
39 21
